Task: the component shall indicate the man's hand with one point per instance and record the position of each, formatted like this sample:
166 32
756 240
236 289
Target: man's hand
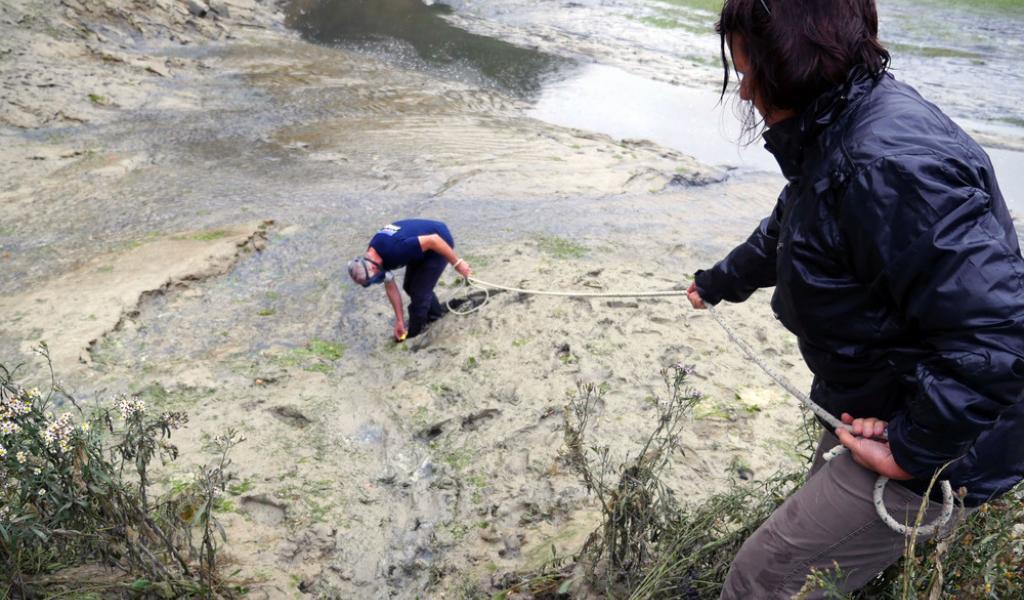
462 268
400 331
871 454
694 296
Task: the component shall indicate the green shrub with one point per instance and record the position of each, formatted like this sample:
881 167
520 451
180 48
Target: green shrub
75 495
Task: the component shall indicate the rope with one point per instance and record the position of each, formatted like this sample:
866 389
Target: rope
880 483
484 286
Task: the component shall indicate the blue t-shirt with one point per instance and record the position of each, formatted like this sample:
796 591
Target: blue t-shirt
398 243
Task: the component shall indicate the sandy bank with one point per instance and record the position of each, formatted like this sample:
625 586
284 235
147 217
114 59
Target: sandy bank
72 312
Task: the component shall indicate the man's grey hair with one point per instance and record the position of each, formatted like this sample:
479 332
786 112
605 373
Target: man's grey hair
359 269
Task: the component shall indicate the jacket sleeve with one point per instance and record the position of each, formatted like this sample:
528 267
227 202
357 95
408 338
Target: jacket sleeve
931 243
749 266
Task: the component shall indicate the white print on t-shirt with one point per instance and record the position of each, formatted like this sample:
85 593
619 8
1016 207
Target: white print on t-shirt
391 229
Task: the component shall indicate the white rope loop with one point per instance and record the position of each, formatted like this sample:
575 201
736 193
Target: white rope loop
880 483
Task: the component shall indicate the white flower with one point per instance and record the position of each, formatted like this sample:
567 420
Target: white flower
129 405
13 406
9 427
22 457
58 434
42 491
229 440
36 471
3 452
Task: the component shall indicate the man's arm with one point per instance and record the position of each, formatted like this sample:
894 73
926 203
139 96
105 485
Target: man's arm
437 244
395 298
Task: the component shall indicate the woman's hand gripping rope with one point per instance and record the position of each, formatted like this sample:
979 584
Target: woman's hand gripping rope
866 441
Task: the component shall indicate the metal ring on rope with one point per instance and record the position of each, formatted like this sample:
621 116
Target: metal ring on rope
880 483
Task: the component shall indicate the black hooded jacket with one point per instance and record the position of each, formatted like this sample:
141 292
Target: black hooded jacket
896 264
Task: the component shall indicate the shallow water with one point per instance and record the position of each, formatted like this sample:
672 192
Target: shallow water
649 69
416 34
613 101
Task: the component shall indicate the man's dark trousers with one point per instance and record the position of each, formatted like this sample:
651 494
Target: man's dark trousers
420 279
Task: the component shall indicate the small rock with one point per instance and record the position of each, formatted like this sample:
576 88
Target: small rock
197 8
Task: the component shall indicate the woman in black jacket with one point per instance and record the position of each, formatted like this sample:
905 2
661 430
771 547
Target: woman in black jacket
896 265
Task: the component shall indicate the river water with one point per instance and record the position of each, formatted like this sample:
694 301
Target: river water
649 69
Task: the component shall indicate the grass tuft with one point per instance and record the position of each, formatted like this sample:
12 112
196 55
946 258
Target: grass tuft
560 247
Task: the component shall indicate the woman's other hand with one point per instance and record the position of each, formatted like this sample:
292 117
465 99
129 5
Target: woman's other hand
871 454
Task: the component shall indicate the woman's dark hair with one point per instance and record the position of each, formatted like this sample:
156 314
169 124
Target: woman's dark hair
799 49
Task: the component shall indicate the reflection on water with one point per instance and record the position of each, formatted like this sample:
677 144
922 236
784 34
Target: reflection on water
518 70
623 105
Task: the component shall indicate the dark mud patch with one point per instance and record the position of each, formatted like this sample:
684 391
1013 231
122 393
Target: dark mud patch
290 416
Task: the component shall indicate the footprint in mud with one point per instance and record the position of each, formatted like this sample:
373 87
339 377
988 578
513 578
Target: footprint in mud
474 421
432 431
290 416
264 510
621 304
470 422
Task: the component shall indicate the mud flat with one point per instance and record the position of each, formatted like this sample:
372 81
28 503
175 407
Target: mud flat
134 238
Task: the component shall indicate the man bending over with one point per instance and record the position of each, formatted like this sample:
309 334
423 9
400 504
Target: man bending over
424 248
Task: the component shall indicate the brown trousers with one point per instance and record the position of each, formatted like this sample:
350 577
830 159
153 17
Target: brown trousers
830 520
